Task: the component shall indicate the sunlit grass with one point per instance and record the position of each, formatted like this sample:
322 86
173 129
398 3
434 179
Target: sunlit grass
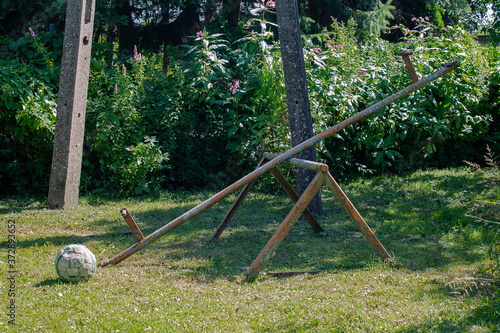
186 282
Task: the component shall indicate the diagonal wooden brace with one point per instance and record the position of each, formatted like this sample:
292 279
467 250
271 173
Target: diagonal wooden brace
360 222
295 197
244 192
409 66
285 226
284 184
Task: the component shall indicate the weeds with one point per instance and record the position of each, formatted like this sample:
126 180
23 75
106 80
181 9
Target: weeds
487 211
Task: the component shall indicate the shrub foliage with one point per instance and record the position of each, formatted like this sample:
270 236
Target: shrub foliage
206 118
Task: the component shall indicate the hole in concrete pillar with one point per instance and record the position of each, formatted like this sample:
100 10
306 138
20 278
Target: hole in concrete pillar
85 40
78 115
296 102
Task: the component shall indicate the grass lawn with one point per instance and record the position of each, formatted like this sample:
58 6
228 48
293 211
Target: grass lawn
430 222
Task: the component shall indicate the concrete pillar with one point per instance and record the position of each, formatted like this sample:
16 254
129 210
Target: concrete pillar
297 97
71 105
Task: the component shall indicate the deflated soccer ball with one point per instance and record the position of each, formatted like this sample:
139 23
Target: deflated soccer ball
75 262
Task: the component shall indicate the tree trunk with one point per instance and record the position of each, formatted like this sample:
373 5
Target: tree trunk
299 109
164 23
231 12
185 24
110 45
313 9
126 33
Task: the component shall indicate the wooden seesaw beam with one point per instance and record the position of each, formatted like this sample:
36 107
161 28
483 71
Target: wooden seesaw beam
141 243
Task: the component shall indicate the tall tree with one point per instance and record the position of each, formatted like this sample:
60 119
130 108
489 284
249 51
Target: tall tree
231 12
127 37
374 22
493 29
17 16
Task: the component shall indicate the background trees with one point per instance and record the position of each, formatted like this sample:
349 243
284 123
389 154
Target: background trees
152 23
203 97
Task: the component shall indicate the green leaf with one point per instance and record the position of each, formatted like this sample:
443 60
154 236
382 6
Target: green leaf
232 131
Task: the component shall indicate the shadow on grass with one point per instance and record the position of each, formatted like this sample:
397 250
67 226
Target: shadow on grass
411 215
49 283
414 221
55 282
16 204
118 235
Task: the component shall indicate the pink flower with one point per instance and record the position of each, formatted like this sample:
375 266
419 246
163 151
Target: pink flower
328 43
407 31
31 32
124 70
137 56
233 86
363 73
198 34
454 35
116 88
128 149
317 50
270 4
339 47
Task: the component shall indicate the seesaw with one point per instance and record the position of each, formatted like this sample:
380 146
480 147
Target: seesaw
270 163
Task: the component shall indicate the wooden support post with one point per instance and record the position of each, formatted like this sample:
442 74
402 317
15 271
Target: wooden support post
360 222
235 205
285 226
295 197
134 228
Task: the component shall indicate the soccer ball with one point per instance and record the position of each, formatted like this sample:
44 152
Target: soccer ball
75 263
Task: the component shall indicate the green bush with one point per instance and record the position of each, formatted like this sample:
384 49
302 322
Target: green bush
27 114
490 104
185 109
219 105
436 126
121 156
